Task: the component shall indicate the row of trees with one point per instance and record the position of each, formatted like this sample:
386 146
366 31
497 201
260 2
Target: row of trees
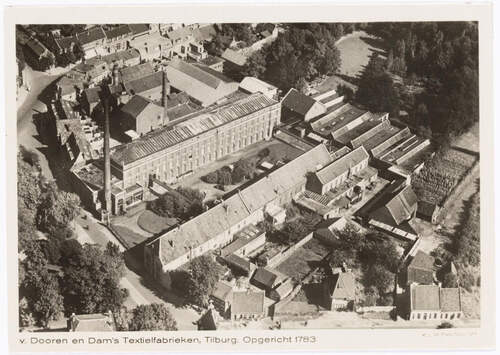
89 280
243 169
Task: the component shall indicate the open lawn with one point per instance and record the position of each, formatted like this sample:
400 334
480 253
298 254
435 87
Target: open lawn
152 223
355 51
304 260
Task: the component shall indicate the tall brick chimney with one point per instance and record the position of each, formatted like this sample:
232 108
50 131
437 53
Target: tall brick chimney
164 99
107 162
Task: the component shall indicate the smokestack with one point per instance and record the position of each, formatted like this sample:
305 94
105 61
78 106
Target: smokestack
166 91
107 163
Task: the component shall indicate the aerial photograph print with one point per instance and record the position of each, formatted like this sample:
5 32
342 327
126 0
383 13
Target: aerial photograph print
248 176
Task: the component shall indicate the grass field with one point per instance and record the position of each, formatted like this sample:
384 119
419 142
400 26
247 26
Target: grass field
355 51
152 223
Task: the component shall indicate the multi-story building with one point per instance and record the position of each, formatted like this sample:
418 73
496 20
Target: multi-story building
170 153
218 226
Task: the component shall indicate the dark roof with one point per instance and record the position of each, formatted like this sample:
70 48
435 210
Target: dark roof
215 73
426 208
92 94
396 205
136 105
342 286
248 302
198 73
146 83
265 277
239 262
36 47
450 299
209 320
139 28
65 42
425 298
242 238
298 102
118 31
91 35
211 60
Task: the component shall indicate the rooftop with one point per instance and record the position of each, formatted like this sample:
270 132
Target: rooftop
136 71
342 286
91 323
118 31
425 298
267 277
396 204
252 85
162 139
145 83
222 291
122 55
334 120
234 57
248 302
298 102
242 238
91 35
239 206
341 165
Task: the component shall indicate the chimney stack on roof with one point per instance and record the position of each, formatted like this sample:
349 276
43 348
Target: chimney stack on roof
165 93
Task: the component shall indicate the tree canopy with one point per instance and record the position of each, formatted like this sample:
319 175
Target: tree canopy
150 317
202 276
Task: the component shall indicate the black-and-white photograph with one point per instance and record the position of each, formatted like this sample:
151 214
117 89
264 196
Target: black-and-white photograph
248 176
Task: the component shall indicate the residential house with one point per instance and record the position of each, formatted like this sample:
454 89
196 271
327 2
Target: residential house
340 291
152 46
421 269
248 305
327 230
213 62
91 323
69 88
221 298
239 265
117 38
299 106
245 241
282 291
150 86
431 302
267 279
125 58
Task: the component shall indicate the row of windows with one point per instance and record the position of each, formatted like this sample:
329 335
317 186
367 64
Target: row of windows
434 315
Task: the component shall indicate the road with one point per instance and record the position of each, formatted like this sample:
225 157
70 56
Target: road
89 230
96 233
31 105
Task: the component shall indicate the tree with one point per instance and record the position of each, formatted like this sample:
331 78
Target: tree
58 209
380 277
203 274
211 177
450 280
244 168
445 325
255 65
47 302
346 91
91 280
150 317
29 188
224 177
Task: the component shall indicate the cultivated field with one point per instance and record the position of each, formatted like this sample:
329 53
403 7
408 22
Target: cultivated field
441 174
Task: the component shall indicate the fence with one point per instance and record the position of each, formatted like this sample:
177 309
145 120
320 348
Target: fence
285 254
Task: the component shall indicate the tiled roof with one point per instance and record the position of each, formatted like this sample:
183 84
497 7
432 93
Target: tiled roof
167 137
92 94
425 298
450 299
118 31
222 291
248 302
139 27
179 33
232 211
341 165
396 205
234 57
122 55
91 35
342 286
204 33
136 105
239 262
136 71
146 83
298 102
196 73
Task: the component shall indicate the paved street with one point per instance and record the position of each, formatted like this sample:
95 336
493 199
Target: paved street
134 283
